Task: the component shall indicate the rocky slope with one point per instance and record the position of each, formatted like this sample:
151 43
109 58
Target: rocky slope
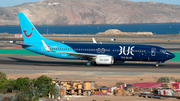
71 12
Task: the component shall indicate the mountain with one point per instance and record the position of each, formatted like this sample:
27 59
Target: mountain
80 12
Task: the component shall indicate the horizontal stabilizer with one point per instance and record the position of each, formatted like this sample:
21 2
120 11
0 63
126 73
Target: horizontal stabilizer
14 42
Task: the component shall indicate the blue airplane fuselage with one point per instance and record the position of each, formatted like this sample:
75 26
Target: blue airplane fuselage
120 52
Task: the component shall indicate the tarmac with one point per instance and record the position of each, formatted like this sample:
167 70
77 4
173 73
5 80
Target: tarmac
27 64
13 63
33 64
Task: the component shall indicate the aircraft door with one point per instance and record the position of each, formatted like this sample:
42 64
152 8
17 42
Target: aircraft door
153 51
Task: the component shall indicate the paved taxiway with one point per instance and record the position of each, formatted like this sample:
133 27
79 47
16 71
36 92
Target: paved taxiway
17 64
24 64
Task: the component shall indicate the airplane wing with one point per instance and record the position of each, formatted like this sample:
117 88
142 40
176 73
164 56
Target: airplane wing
82 55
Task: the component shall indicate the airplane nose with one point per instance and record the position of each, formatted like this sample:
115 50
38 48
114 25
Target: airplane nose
171 55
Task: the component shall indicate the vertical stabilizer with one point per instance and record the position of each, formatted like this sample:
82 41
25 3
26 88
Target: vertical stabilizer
29 32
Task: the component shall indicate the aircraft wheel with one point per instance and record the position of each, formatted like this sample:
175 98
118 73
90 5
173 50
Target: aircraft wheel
93 63
88 64
157 65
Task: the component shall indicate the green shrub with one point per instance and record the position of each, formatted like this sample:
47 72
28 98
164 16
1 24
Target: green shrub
23 84
11 85
42 80
45 85
27 89
163 79
177 80
3 78
3 83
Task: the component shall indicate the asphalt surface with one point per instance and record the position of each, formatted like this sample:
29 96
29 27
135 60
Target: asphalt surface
18 64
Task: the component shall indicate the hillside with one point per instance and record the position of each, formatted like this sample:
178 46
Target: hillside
71 12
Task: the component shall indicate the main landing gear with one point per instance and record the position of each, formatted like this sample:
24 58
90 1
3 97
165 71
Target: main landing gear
91 63
88 64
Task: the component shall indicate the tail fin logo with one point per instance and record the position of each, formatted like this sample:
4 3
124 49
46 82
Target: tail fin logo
29 34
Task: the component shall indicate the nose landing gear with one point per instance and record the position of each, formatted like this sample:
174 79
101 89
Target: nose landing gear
157 64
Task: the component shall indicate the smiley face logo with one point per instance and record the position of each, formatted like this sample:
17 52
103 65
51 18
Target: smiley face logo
29 34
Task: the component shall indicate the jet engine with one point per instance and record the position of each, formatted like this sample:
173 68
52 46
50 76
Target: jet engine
104 60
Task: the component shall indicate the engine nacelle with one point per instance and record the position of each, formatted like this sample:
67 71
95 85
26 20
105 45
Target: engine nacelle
104 60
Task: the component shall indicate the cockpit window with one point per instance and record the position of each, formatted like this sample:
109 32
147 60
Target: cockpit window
163 51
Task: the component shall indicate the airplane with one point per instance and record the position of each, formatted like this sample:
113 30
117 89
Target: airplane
94 53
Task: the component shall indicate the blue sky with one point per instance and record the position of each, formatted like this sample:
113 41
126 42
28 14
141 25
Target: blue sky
6 3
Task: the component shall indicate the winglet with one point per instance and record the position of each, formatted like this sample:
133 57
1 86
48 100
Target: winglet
45 46
94 41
